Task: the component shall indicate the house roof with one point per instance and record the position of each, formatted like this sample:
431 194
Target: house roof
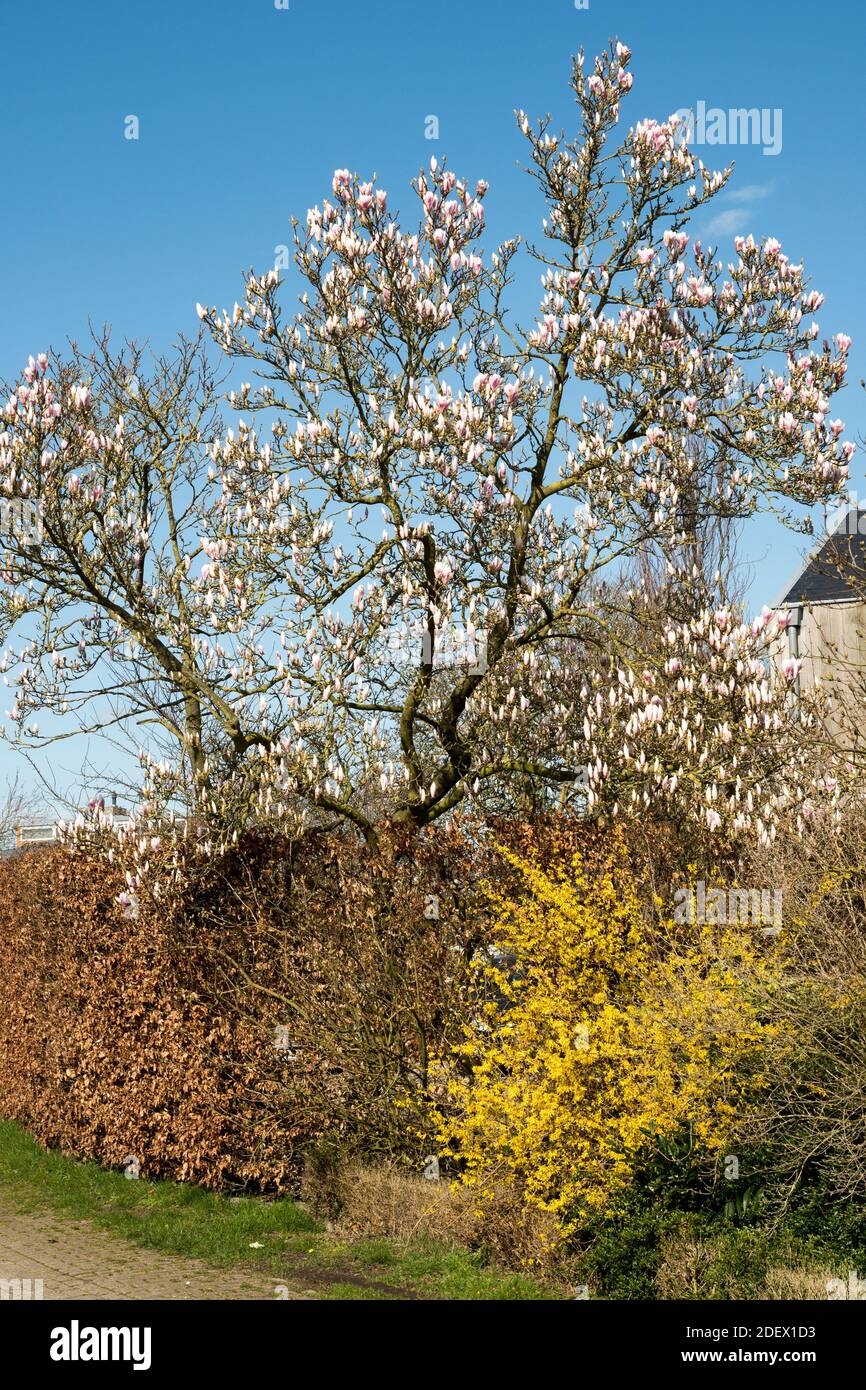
835 572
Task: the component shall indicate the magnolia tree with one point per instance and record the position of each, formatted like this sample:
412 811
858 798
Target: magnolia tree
395 585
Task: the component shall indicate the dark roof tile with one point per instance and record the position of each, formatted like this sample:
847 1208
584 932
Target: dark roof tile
837 569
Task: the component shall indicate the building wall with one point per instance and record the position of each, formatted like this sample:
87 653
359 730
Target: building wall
833 652
833 643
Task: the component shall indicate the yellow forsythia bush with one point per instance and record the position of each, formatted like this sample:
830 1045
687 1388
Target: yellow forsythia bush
593 1025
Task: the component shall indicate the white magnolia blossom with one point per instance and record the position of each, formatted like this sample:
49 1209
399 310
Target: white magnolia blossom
414 464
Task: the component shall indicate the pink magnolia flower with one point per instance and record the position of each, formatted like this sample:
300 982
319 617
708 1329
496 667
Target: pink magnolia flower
676 242
511 391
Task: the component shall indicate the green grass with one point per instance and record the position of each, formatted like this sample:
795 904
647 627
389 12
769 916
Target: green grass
180 1219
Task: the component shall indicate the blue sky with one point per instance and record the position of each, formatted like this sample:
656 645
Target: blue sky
246 109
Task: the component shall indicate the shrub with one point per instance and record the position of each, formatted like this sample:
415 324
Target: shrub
155 1035
739 1264
598 1025
623 1256
108 1047
362 958
812 1115
675 1232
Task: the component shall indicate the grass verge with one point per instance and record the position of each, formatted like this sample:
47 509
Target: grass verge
277 1237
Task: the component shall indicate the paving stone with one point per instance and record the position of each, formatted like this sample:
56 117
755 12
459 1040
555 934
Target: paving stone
75 1260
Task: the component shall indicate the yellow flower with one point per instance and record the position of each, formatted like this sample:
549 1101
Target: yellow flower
605 1023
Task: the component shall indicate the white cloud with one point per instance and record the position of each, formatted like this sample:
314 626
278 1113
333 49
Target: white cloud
731 220
734 210
751 193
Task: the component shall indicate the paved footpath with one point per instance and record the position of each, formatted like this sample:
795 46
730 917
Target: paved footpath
74 1260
